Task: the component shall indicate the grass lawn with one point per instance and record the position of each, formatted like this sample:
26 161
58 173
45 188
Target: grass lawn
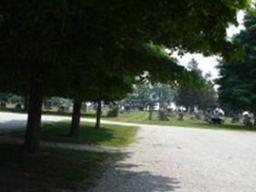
142 117
49 170
107 135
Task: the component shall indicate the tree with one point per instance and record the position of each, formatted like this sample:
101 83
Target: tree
39 39
95 85
110 89
163 93
109 86
98 114
237 82
140 98
208 96
75 123
191 96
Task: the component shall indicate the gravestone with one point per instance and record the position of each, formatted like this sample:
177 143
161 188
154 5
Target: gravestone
163 115
61 109
18 107
3 105
180 116
113 112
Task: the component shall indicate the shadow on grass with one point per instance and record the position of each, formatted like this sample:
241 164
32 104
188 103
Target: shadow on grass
48 170
58 132
107 135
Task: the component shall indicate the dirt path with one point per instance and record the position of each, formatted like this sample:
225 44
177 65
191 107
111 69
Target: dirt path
185 160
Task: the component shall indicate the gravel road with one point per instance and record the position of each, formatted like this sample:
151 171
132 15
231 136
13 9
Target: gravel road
175 159
184 160
17 121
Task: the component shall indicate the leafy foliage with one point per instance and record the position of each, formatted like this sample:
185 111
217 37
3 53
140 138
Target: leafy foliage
147 95
237 82
191 96
94 49
40 39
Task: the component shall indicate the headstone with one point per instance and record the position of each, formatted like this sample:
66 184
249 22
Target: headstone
113 112
3 105
163 115
235 118
18 106
198 116
48 105
192 117
61 109
248 120
84 107
180 116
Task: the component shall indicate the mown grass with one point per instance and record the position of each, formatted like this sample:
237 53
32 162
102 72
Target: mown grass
107 135
49 170
142 117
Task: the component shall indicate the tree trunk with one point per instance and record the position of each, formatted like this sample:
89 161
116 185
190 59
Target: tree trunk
75 118
98 115
31 143
188 110
26 102
150 112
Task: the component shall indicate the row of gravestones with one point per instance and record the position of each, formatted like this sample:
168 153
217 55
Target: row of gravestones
18 106
113 112
246 118
64 109
165 114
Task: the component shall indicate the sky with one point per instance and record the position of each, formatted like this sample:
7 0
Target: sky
208 64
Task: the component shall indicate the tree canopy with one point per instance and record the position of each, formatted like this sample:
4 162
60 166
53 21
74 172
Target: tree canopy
237 82
52 47
40 38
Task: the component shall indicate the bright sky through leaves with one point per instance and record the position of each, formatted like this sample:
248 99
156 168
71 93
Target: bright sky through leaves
208 64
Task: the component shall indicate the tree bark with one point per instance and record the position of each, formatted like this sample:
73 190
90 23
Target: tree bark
75 118
98 115
150 112
26 102
31 143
